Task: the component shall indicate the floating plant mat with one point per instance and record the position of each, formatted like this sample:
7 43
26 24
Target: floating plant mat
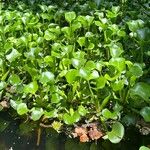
78 68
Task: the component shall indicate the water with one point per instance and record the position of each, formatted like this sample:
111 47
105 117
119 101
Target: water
12 139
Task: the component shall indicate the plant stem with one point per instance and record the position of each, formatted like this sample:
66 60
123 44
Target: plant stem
38 136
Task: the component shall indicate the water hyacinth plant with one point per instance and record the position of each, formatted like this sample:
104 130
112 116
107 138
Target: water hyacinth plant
61 68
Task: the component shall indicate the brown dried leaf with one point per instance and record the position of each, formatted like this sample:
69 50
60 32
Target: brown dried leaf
80 131
4 104
84 138
94 134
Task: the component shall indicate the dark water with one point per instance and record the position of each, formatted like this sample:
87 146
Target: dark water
12 139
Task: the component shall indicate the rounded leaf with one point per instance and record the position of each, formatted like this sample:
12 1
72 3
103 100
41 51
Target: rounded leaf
71 75
69 16
117 133
144 148
22 109
14 79
2 85
56 98
141 89
145 113
82 111
31 87
13 55
47 77
100 82
36 114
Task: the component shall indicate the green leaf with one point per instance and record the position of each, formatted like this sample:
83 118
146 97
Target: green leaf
82 111
141 89
135 25
144 148
77 63
90 65
36 114
71 75
51 114
94 75
22 109
81 41
79 54
117 133
143 34
136 70
14 79
118 63
100 82
145 113
31 87
32 71
91 46
84 73
47 77
108 114
56 98
2 85
89 19
71 119
115 50
49 35
75 25
117 85
69 16
13 55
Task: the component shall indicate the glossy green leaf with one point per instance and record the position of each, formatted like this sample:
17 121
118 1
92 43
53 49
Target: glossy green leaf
145 113
49 35
135 24
36 113
89 19
117 133
84 73
90 65
144 148
13 55
108 114
69 16
71 75
14 79
136 70
71 117
22 109
94 75
118 63
75 25
117 85
56 98
115 50
31 87
81 41
143 34
47 77
82 110
141 89
77 63
100 82
50 114
2 85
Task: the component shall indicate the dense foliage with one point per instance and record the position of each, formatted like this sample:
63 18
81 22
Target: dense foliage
75 63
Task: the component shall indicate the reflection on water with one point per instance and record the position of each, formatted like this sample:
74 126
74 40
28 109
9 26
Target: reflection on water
11 139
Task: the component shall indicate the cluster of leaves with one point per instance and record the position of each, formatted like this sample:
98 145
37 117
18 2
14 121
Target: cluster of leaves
71 67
